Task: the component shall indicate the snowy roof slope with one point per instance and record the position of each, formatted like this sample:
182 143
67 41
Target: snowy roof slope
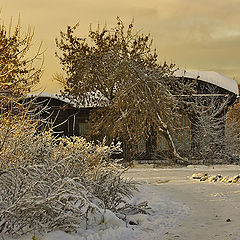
47 95
95 99
206 76
211 77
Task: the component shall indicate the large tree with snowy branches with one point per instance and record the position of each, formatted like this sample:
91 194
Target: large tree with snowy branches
137 96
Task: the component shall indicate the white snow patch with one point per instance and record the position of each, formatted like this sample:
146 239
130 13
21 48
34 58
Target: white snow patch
210 77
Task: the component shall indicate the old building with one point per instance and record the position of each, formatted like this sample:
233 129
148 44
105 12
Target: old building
66 118
210 88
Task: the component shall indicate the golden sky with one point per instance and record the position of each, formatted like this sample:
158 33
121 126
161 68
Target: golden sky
194 34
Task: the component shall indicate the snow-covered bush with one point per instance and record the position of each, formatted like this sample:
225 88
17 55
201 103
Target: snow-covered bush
93 163
49 183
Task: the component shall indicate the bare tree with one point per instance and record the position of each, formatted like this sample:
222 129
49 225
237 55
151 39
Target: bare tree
208 124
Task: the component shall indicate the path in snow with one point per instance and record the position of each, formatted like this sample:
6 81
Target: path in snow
211 204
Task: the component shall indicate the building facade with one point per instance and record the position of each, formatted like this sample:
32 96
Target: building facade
214 94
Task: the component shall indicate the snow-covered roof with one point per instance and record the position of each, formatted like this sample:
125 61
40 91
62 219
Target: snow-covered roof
44 94
211 77
95 99
47 95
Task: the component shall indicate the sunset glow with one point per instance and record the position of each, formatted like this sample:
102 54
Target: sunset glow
194 34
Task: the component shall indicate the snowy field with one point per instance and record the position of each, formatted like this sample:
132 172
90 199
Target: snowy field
182 208
211 208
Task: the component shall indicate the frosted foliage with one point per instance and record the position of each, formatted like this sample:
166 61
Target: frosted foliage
233 138
118 69
211 139
49 183
233 132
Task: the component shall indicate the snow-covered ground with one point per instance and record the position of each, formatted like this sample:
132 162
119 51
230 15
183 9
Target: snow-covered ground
214 207
181 208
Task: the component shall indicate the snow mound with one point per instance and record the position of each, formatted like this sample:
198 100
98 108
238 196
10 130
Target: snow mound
202 177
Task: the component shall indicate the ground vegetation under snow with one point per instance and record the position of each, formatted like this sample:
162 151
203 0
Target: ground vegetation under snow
181 208
51 183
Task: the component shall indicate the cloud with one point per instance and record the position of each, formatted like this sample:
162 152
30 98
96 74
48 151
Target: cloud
200 34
